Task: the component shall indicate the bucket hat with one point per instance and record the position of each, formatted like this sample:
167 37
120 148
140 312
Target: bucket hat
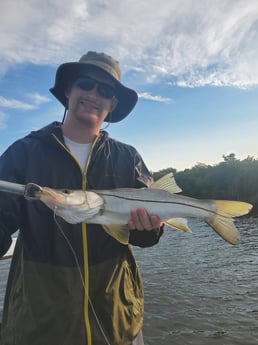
70 71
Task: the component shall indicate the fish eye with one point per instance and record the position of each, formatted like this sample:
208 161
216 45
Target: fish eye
66 191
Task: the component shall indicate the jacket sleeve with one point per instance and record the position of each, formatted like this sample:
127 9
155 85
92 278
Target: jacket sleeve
143 179
10 204
145 238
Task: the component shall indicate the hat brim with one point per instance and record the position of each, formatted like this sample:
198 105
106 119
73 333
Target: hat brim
70 71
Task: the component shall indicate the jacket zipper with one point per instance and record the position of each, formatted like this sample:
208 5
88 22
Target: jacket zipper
84 240
85 255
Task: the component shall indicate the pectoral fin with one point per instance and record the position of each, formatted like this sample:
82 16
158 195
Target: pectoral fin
119 232
178 224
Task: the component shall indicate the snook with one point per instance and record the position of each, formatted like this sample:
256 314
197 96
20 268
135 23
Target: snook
112 208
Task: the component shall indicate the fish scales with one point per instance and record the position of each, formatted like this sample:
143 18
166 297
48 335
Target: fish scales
159 202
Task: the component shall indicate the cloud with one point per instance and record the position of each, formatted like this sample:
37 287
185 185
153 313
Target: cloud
11 103
185 42
38 99
148 96
15 104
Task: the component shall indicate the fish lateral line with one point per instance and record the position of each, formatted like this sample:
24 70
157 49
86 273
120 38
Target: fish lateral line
162 202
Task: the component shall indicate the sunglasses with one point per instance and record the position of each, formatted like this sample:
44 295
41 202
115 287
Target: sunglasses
88 84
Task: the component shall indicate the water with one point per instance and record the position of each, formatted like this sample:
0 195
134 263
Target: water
4 269
199 290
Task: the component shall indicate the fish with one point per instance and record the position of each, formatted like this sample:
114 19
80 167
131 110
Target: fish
112 208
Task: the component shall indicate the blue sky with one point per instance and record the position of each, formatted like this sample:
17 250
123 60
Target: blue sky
194 64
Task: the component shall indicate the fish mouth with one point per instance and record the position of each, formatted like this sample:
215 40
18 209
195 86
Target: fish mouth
32 191
49 196
60 198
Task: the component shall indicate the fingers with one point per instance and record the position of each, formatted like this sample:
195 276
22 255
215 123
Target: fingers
141 220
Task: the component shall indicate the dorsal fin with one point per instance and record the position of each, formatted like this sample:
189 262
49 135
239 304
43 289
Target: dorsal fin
166 183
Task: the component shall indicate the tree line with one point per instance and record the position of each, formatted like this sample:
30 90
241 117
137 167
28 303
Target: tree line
231 179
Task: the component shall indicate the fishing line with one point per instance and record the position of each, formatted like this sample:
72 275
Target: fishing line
81 276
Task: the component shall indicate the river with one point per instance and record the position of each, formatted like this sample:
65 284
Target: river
199 290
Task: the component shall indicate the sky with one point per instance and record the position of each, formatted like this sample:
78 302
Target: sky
193 63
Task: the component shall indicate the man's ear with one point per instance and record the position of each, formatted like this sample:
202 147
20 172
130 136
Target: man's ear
68 90
113 104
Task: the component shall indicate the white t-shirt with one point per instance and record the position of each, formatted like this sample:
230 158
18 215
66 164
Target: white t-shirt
80 151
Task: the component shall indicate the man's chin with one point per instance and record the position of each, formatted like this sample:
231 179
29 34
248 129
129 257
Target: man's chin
90 119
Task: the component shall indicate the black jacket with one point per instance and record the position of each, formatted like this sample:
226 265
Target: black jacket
69 284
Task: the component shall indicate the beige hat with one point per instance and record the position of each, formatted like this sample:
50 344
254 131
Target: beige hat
70 71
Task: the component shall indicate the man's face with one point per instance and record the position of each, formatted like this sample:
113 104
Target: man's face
92 97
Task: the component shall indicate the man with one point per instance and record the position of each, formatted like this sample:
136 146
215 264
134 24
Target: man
75 284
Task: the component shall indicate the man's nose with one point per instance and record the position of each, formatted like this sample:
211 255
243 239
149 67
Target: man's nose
94 90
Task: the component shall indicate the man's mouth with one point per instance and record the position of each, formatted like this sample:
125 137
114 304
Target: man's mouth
88 103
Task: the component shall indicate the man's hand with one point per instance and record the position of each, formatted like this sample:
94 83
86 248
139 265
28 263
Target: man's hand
141 220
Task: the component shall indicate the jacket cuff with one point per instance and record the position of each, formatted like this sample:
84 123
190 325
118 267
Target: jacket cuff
145 238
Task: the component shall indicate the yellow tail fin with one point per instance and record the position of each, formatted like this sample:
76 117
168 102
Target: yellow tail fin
223 223
233 209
